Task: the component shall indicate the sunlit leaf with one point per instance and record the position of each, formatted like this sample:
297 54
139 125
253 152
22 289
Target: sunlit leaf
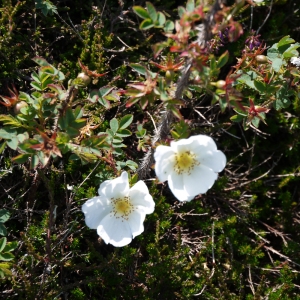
2 243
126 121
141 12
152 11
223 59
146 24
114 125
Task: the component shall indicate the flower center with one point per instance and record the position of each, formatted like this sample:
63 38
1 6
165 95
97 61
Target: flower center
121 207
185 162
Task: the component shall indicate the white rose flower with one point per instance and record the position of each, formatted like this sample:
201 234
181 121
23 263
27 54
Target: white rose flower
118 212
295 61
190 165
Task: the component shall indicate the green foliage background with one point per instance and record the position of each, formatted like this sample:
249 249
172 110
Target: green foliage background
241 240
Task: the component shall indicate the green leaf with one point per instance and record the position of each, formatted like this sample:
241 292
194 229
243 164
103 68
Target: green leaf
140 69
161 19
152 11
132 165
181 11
255 122
169 26
146 24
4 271
47 70
223 104
36 85
3 230
13 143
98 96
276 64
40 61
7 133
94 141
10 120
114 125
248 79
285 40
260 86
2 147
21 159
25 97
282 98
141 12
141 133
11 246
46 6
2 243
123 133
223 59
35 77
110 133
34 161
190 5
4 215
291 51
6 256
237 118
126 121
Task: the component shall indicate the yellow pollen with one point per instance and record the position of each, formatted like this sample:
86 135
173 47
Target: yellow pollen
185 162
121 207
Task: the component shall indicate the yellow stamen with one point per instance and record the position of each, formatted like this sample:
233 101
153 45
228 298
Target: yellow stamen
122 207
185 162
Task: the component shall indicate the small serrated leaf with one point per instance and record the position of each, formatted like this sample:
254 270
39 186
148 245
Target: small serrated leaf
11 246
6 256
36 85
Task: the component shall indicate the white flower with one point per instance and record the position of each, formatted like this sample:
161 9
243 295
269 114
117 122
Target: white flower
295 61
190 165
118 212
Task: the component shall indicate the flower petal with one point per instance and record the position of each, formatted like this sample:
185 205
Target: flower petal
95 209
135 222
176 185
164 157
115 231
117 187
140 197
199 181
215 160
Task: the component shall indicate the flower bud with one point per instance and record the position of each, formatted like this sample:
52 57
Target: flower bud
86 80
18 106
261 59
220 84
